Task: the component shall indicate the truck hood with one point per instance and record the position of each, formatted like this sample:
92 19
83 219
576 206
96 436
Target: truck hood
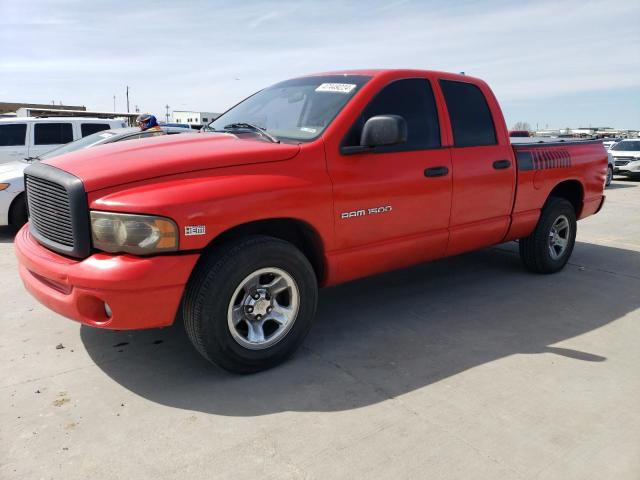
130 161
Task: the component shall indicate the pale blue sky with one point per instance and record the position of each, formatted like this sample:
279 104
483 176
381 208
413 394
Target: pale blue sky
559 63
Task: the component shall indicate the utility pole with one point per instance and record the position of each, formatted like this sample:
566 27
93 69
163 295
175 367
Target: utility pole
167 114
127 98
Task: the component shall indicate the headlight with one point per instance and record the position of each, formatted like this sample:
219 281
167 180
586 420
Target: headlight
4 186
137 234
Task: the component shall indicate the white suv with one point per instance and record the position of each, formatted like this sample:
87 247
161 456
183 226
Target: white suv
626 158
29 137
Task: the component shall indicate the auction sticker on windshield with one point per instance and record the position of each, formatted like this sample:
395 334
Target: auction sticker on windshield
336 87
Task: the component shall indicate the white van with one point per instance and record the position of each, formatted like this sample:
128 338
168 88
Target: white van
30 137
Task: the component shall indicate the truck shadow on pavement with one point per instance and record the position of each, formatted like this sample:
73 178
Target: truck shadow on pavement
389 335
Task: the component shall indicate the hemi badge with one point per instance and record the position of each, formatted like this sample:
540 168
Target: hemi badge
195 230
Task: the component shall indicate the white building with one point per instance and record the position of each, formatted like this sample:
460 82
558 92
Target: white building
193 118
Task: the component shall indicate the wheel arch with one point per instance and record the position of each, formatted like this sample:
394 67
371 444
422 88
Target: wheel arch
298 232
572 191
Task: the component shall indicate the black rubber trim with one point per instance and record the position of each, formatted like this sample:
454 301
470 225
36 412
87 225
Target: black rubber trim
560 143
524 160
79 210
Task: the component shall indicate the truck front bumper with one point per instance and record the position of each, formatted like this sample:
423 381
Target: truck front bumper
119 292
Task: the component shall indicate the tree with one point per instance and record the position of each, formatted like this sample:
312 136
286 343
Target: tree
521 126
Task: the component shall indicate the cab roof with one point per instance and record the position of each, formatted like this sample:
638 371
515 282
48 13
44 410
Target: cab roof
378 72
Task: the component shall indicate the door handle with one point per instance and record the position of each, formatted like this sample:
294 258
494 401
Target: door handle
436 172
501 164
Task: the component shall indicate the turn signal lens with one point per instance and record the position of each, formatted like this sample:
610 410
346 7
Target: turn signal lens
137 234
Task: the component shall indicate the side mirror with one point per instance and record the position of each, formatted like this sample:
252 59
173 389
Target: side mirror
384 130
379 131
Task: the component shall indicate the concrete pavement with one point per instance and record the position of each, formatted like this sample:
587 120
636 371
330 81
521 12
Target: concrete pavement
468 367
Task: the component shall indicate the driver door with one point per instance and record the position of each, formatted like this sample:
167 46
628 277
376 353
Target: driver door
392 204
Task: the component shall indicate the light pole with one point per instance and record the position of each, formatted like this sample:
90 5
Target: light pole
167 114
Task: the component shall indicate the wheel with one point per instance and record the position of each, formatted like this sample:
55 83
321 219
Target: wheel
250 304
18 212
607 182
549 247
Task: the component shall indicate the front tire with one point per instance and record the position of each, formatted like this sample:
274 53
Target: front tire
548 248
250 304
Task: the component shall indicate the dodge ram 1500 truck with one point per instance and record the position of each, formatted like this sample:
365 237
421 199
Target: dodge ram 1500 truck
311 182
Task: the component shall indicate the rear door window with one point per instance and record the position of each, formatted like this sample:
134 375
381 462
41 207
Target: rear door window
52 133
13 135
90 128
470 116
413 100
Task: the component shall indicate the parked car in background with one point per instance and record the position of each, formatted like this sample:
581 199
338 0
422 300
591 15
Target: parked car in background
178 125
13 209
626 158
610 142
23 137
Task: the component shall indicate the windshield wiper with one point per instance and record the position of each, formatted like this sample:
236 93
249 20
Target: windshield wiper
251 126
31 159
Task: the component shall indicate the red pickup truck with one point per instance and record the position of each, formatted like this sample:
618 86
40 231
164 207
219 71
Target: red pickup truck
311 182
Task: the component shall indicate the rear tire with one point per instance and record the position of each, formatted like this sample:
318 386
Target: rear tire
609 176
18 212
250 303
548 248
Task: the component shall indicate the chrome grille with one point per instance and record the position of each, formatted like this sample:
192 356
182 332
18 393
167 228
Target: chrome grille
50 210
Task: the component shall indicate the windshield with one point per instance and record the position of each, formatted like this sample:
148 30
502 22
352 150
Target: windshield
298 109
624 146
88 141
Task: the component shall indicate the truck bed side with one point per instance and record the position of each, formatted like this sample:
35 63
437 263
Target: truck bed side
575 170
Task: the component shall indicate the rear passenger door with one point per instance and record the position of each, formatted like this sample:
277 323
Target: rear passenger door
483 176
46 136
13 141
